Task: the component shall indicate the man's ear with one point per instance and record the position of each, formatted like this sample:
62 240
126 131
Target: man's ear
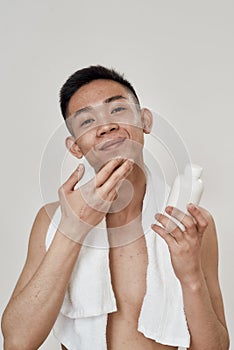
147 120
72 147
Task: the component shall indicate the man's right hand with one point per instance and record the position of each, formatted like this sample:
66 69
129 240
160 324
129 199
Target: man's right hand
85 207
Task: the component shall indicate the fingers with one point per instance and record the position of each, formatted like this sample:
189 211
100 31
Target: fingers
164 234
187 221
107 170
193 224
202 222
119 174
170 227
74 178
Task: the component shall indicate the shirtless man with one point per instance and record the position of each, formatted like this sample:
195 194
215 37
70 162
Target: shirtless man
39 292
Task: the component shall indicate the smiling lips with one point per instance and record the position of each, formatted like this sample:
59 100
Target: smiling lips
111 143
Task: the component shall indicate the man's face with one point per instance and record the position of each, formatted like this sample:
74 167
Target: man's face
106 123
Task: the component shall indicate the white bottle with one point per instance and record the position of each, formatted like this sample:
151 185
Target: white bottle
187 188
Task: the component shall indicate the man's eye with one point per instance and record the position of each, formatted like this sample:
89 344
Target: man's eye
86 122
117 109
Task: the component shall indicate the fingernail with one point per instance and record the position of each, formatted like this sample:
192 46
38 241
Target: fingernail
169 209
157 216
129 163
80 167
190 206
118 158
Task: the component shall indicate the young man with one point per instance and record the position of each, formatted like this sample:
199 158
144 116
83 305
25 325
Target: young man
107 127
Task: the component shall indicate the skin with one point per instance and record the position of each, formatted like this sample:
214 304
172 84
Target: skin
194 253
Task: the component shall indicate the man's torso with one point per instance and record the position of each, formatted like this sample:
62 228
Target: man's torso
128 266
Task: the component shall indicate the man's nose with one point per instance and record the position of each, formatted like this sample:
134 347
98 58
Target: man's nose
107 128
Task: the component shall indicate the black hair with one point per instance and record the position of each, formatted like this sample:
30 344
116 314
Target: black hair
85 76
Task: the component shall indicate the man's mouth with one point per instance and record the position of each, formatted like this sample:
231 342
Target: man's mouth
111 143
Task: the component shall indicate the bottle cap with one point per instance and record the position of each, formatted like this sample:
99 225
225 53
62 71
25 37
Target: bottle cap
196 170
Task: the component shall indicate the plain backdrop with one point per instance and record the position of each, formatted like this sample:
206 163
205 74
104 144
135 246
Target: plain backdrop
179 55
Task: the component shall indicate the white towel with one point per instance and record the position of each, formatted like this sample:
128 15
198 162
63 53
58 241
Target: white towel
81 323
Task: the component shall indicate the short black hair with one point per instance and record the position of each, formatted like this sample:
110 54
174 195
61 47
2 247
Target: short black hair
87 75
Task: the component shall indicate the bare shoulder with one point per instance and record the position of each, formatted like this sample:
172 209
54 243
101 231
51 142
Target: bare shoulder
36 244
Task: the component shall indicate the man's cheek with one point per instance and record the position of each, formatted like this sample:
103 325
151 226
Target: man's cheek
132 122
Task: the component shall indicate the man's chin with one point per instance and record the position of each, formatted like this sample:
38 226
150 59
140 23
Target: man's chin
100 163
98 158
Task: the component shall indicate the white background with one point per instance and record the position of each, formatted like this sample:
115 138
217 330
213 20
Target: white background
179 55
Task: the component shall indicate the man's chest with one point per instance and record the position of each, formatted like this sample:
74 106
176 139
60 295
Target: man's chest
128 266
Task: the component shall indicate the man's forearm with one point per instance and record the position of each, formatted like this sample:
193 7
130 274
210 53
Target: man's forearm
207 332
30 315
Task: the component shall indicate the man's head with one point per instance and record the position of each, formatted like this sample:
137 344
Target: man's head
101 107
85 76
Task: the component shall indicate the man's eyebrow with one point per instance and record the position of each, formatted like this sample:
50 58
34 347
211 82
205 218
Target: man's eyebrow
114 98
89 108
85 109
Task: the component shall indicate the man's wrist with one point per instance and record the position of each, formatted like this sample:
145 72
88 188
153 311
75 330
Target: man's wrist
194 283
74 230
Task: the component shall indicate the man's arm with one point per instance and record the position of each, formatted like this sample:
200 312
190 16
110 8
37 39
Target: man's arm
38 295
203 300
194 255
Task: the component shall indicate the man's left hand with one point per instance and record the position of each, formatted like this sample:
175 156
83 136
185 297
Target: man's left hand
184 245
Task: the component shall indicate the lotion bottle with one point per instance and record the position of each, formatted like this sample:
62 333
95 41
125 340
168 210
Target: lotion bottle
187 188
